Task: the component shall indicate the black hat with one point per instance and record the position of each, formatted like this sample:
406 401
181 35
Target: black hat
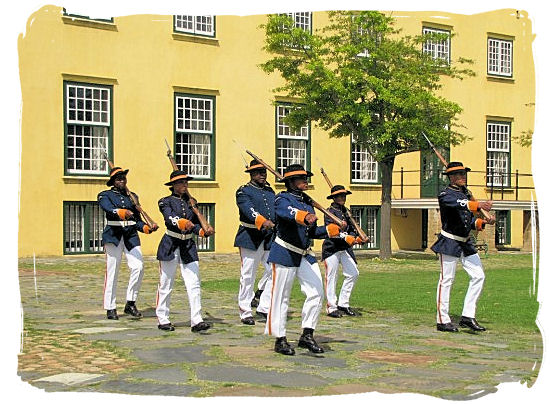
176 176
254 165
295 170
455 167
338 190
115 172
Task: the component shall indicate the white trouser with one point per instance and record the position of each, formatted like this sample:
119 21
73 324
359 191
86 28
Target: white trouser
311 285
114 258
250 259
350 272
472 265
191 278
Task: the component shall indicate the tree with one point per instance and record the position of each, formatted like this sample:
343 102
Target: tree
360 77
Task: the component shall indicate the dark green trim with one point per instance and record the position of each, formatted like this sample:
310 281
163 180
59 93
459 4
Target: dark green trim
66 125
507 215
363 220
214 31
212 176
87 205
85 17
212 220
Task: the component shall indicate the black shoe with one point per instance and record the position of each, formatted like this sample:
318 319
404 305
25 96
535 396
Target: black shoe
283 347
347 310
111 314
335 314
166 327
307 341
262 315
450 327
471 323
254 303
256 299
202 326
248 321
132 309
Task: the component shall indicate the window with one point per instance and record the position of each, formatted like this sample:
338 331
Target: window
206 243
302 20
498 153
502 227
363 166
499 57
203 25
83 224
292 146
194 143
87 128
95 18
438 48
368 218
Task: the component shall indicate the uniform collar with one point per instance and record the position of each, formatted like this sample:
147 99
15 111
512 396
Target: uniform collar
253 184
115 189
296 193
337 206
184 197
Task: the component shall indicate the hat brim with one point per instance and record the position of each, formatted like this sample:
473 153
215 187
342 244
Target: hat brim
461 171
255 168
341 192
112 179
170 183
308 174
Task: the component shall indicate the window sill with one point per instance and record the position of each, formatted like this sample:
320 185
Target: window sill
180 36
498 189
79 179
366 185
84 22
203 184
500 79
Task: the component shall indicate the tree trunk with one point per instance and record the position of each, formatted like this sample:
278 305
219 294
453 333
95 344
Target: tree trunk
386 167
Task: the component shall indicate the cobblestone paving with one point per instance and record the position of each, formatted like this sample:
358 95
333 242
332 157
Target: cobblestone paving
68 345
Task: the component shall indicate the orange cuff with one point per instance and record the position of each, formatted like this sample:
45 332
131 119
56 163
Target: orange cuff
300 216
333 229
259 221
182 224
123 213
146 229
201 232
350 240
480 224
359 240
473 206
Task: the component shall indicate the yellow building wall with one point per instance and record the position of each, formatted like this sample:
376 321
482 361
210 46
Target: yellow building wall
146 63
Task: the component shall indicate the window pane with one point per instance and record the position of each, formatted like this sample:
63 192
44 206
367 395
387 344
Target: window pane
438 49
206 243
363 166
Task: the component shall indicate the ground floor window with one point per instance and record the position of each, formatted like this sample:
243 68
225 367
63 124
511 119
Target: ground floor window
502 227
83 224
368 218
208 243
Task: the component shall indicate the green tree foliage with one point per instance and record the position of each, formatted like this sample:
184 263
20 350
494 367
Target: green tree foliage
360 77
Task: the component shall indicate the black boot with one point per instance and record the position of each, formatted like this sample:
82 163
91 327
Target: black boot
471 323
283 347
256 299
347 311
112 315
449 327
132 309
307 341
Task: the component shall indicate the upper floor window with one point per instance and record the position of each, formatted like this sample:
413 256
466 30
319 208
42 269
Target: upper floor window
499 57
364 168
302 20
439 48
498 153
195 24
194 137
88 127
292 145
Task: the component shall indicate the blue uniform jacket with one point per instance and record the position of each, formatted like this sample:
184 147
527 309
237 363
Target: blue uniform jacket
255 204
457 218
110 200
289 208
334 244
174 208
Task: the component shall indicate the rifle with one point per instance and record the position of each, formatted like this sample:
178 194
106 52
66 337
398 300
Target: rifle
315 204
444 162
146 218
358 228
192 201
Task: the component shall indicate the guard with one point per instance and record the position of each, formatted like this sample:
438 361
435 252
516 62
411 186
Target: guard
457 207
255 201
291 256
120 235
339 250
178 249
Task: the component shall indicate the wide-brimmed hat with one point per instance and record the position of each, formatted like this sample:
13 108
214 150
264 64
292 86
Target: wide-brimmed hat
254 165
456 167
116 171
338 190
296 170
176 176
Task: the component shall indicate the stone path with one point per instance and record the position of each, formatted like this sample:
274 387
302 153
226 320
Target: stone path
68 345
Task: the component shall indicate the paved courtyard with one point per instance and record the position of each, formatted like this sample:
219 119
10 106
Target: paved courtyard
68 345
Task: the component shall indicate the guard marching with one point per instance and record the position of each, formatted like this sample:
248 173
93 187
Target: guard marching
339 250
178 249
457 208
120 235
291 256
255 201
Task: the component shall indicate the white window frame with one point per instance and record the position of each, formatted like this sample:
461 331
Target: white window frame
204 25
367 172
498 153
287 139
87 128
437 49
370 228
302 20
194 137
500 54
206 243
83 222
